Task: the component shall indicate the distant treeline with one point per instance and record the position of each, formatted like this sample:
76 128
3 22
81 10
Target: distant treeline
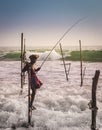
13 56
92 56
87 55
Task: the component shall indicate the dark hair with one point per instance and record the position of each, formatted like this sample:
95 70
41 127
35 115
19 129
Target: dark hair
32 57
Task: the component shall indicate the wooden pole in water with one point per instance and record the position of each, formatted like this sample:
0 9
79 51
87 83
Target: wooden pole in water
63 62
24 52
24 61
93 102
21 62
68 69
81 73
29 96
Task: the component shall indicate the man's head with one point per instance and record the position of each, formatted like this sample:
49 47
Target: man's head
33 58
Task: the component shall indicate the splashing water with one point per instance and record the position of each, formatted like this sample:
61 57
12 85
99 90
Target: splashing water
61 105
53 56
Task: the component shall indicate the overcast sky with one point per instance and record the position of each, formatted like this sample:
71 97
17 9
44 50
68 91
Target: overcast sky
43 22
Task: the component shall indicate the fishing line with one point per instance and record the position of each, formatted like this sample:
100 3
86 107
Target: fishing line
68 30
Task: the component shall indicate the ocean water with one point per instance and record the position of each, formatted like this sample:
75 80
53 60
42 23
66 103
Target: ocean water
61 104
70 48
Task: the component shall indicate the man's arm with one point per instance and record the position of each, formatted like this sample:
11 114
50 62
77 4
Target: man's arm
26 67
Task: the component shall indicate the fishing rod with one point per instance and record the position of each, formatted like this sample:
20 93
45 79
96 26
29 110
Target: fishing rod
68 30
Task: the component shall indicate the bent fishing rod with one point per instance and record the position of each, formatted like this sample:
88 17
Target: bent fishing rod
68 30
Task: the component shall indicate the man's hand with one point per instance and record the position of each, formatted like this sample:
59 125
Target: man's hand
38 68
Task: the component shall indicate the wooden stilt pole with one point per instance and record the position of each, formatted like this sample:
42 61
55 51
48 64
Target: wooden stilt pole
23 58
81 73
24 61
68 69
21 63
93 102
29 96
63 62
24 52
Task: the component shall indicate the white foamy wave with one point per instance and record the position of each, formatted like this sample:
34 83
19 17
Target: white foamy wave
53 56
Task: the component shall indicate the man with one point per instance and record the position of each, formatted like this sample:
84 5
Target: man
34 81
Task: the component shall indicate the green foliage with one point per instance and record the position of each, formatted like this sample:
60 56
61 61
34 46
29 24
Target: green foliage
94 56
13 55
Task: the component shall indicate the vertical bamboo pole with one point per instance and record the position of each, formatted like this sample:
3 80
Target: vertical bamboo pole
63 62
81 73
93 102
68 69
29 96
24 51
21 62
24 61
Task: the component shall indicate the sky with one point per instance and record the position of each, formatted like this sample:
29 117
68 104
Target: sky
44 22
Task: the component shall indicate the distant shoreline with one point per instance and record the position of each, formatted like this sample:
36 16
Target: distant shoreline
70 48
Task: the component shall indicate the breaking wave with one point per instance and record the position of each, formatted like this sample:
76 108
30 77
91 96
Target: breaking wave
53 56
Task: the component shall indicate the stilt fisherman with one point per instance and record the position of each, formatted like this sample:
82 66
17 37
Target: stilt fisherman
35 82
